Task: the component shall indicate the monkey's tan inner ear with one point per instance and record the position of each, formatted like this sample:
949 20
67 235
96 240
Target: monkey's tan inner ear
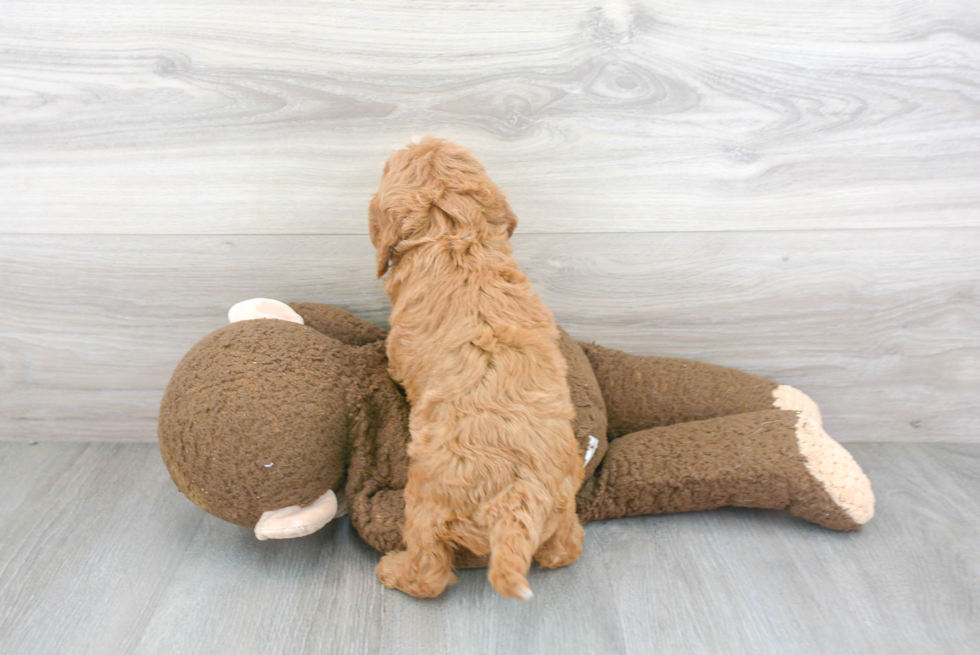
255 308
295 521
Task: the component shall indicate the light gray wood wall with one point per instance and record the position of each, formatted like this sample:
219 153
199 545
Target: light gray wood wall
790 188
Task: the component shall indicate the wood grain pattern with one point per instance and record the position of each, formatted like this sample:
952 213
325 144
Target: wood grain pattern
101 554
785 187
86 553
881 327
254 118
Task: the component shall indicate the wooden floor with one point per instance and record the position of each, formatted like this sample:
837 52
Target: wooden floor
101 554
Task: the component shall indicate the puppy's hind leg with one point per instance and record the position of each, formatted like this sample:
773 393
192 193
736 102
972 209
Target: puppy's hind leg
425 569
515 532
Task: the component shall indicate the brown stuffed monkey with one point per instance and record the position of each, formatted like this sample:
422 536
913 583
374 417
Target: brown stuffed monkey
266 420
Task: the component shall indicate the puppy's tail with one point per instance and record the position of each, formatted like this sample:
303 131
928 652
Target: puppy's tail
515 534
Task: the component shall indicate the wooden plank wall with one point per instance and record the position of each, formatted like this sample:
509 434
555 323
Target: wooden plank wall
791 188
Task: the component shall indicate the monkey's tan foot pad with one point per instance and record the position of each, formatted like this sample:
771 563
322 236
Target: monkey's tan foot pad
840 496
295 521
254 308
791 398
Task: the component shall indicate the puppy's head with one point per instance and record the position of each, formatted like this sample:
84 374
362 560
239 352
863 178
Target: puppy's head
430 189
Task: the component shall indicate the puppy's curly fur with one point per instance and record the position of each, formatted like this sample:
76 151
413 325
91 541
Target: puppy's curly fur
494 463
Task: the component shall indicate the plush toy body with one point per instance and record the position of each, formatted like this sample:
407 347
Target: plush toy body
265 419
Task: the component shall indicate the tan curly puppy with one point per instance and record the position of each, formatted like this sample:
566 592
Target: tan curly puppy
494 463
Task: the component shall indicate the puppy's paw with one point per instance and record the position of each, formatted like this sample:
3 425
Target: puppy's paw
564 546
556 555
398 571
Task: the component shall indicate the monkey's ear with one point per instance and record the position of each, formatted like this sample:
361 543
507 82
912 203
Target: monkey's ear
385 235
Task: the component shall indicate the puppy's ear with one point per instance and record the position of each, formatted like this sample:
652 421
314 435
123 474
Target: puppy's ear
474 209
510 218
464 213
385 235
506 214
